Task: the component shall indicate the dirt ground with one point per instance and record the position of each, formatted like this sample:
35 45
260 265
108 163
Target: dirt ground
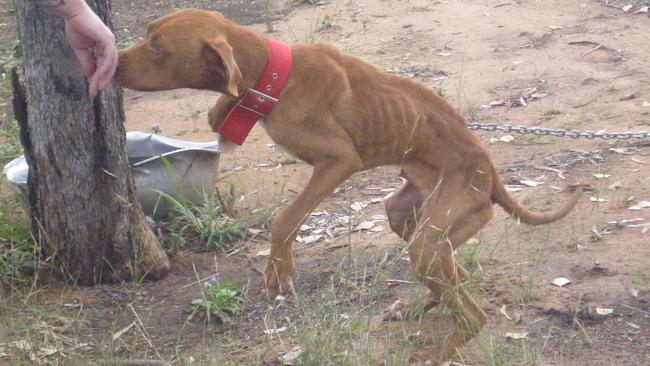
557 64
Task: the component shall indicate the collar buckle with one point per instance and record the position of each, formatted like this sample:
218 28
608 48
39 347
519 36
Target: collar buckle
258 103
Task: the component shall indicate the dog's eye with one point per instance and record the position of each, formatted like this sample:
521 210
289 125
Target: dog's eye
154 44
155 47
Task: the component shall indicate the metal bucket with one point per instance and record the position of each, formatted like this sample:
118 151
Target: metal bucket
181 169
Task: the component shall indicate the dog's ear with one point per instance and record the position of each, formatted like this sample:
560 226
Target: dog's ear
220 55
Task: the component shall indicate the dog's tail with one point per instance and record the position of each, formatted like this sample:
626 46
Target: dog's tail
501 197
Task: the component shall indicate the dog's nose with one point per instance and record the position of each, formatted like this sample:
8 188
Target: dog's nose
121 66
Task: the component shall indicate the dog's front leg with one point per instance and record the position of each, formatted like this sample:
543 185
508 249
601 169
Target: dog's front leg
327 175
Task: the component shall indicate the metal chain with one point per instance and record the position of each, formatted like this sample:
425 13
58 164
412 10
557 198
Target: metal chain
558 132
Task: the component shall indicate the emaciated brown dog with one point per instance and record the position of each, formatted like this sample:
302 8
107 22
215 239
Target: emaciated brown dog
342 115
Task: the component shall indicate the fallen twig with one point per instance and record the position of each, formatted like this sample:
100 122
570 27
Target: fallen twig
133 362
198 281
592 50
399 281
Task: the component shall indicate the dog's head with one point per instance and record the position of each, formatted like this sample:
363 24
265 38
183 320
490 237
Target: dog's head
184 49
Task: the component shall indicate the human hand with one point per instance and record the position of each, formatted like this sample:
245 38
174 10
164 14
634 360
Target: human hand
94 46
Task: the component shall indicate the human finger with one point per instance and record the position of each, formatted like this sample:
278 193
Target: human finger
106 66
86 61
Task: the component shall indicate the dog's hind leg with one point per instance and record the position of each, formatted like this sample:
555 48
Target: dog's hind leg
403 211
454 205
452 215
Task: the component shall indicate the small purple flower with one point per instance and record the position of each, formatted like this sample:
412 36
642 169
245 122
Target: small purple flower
155 128
212 280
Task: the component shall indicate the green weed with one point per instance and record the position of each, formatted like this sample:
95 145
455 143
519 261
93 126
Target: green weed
10 146
209 221
220 301
17 250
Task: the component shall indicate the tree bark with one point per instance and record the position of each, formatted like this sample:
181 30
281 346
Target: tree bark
83 206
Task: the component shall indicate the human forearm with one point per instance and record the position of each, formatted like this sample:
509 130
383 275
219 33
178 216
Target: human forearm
65 8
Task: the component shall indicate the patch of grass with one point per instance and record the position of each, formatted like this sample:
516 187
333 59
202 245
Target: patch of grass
219 301
440 90
210 221
9 58
641 278
469 255
326 23
526 289
10 146
320 23
498 351
325 337
17 249
569 121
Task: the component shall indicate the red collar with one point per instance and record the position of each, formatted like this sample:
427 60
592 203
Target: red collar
257 103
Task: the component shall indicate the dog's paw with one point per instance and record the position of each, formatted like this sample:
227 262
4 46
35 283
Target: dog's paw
277 278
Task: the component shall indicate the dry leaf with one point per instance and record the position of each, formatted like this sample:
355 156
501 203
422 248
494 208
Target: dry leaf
291 357
310 239
46 351
516 335
614 186
619 150
377 229
305 227
604 311
561 281
366 225
530 183
640 205
121 332
275 330
358 206
342 220
263 253
511 188
503 311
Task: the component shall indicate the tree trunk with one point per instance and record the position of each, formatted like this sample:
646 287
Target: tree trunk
83 207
